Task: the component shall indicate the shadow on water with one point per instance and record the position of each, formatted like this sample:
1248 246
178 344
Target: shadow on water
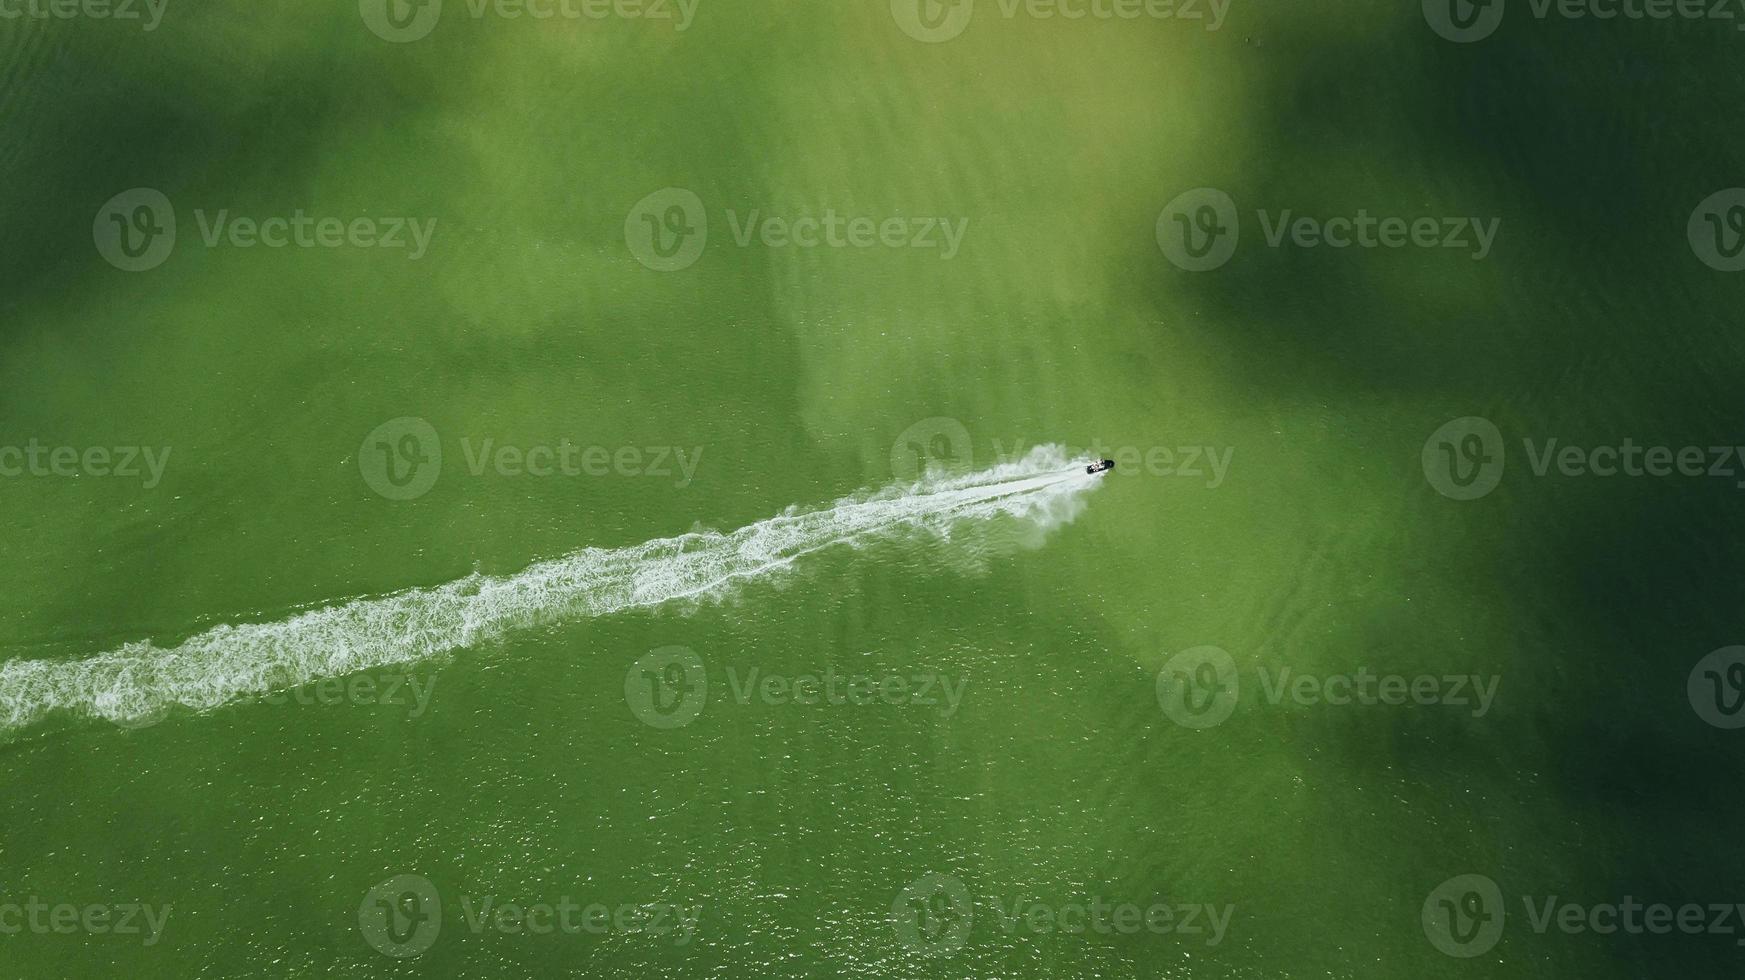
103 112
1592 321
1574 134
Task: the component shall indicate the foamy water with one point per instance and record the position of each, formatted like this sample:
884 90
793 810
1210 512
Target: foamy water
140 681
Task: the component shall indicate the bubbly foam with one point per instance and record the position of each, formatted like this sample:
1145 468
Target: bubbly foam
140 681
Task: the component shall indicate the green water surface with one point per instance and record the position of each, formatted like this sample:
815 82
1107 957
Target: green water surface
801 374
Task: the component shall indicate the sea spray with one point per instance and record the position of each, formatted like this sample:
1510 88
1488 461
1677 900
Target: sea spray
141 681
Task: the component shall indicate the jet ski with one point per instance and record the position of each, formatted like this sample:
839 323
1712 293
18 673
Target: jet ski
1102 467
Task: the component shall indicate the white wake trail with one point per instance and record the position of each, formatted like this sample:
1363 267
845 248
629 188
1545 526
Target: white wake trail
140 681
